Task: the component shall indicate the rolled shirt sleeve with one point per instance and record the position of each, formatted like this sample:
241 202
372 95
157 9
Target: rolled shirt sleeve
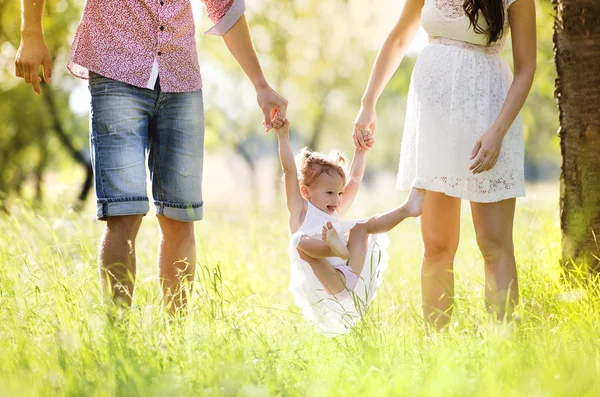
224 14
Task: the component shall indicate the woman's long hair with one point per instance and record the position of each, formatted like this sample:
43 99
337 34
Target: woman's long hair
493 13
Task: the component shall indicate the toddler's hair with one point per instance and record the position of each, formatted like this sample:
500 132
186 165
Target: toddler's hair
313 164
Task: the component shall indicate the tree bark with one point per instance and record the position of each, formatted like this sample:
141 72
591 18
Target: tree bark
577 57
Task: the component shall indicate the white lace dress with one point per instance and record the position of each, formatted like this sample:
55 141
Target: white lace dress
335 314
457 89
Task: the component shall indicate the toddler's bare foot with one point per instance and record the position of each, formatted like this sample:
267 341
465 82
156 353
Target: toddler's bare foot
334 241
414 203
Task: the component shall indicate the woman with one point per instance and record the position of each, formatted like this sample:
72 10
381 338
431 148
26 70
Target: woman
463 136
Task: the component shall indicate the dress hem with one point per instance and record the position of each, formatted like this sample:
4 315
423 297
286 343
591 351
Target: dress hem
462 194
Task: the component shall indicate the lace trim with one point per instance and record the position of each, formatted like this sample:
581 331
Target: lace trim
484 191
492 49
454 8
450 9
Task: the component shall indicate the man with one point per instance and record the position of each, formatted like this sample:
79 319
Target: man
141 60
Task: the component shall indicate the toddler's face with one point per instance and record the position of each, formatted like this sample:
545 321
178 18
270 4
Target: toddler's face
326 191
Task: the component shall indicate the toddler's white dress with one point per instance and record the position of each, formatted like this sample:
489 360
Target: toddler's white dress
335 314
457 89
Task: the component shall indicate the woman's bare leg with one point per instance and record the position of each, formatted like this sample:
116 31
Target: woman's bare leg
494 230
440 229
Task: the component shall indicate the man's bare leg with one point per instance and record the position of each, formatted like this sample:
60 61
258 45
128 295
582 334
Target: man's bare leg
176 262
116 258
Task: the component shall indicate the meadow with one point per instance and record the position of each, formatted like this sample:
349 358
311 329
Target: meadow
244 336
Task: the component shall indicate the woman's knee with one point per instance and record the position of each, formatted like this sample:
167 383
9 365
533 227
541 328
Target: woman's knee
438 249
494 229
494 247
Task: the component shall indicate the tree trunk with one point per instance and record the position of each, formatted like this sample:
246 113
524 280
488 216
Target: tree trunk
318 125
251 163
577 56
39 174
80 156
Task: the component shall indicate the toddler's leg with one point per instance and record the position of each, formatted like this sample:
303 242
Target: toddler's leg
356 250
333 240
412 207
358 238
330 244
357 246
315 248
332 279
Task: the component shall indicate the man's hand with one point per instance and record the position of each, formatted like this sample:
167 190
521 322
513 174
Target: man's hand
32 53
271 104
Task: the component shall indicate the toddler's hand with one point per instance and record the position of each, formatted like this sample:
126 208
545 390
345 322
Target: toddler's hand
364 126
369 140
280 124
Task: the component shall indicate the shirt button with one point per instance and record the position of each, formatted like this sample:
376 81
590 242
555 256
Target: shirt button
162 3
159 53
162 28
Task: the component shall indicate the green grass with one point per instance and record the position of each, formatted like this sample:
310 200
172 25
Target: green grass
244 337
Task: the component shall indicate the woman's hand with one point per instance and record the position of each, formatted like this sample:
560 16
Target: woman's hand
486 151
364 128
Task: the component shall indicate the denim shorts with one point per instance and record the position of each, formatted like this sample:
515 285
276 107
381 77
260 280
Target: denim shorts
129 125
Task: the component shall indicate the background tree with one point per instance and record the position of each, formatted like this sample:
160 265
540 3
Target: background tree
317 54
314 54
577 54
36 132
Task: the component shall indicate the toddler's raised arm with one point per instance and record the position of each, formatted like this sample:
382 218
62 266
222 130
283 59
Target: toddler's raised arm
295 202
357 170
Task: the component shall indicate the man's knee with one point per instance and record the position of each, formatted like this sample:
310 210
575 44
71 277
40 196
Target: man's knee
126 226
171 228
